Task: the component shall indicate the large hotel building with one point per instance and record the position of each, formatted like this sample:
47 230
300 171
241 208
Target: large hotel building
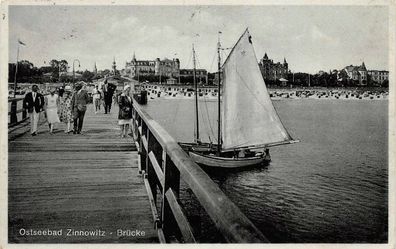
165 67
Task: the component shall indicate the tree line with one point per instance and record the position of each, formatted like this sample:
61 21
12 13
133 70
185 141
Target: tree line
54 72
57 69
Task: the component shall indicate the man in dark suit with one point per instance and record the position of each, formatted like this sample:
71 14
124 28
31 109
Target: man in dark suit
34 103
79 103
108 91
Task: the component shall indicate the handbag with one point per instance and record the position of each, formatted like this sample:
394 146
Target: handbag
81 107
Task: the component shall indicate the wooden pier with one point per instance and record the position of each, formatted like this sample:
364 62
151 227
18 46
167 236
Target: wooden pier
67 188
87 182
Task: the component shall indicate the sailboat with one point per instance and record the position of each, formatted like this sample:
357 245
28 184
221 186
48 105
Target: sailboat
248 123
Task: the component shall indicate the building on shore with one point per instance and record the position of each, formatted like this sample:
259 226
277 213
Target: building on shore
273 71
114 68
363 77
69 75
201 75
165 67
357 73
378 76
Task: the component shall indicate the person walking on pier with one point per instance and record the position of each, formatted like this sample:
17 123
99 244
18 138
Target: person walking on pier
65 109
33 103
51 109
79 103
96 97
125 111
106 96
108 91
61 91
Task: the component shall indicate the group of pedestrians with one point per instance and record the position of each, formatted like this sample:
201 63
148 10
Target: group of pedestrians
108 91
71 106
103 95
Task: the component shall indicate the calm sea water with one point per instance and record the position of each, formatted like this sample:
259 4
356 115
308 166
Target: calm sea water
331 187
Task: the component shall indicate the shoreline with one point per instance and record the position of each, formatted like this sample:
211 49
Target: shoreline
275 94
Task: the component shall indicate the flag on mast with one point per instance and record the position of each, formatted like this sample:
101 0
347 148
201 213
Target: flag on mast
20 42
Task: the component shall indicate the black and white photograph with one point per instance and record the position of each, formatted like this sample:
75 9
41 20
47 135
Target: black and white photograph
181 122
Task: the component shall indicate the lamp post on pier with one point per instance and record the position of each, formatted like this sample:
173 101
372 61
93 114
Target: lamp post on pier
16 67
73 68
293 77
59 74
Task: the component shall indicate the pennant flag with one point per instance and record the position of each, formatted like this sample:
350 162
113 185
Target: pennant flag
21 43
220 32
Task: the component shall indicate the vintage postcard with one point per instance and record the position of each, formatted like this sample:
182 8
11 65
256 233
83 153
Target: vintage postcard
135 122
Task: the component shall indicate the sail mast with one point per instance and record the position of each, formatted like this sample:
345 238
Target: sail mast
196 99
218 98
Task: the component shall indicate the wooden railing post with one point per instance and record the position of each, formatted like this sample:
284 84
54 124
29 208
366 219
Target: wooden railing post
147 135
151 176
172 183
144 153
139 136
24 114
164 171
14 118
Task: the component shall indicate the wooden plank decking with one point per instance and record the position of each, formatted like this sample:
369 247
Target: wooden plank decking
86 182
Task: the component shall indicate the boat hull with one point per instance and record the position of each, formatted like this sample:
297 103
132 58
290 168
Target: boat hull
226 162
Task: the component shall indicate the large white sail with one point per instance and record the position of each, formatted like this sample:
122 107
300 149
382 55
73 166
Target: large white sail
248 117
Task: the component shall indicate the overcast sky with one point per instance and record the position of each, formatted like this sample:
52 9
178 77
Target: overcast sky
312 38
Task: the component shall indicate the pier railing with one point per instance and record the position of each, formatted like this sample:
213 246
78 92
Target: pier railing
163 164
14 111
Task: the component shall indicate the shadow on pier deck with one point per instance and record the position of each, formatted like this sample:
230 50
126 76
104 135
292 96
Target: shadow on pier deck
86 182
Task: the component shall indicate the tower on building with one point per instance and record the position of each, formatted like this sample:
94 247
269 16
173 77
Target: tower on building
114 67
265 56
95 69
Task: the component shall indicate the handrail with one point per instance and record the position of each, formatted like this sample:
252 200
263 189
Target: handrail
163 164
13 113
17 99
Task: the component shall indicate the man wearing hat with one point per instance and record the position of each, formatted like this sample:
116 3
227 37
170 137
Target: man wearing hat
61 91
79 103
108 91
34 103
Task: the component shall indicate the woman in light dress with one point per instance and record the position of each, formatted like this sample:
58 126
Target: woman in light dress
51 109
125 111
65 109
96 97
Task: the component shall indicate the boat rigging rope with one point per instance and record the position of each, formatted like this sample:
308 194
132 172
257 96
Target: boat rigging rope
208 123
176 113
223 53
208 117
214 57
188 62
